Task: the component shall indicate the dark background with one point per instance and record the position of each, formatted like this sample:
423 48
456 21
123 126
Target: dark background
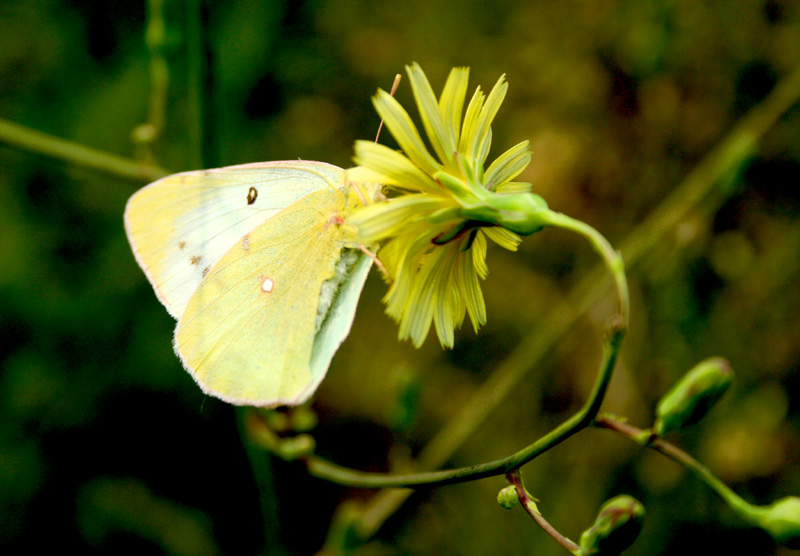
108 447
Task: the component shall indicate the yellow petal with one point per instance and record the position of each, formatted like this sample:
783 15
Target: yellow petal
439 135
396 168
509 165
404 131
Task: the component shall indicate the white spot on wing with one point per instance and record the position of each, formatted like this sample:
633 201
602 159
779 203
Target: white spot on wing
267 284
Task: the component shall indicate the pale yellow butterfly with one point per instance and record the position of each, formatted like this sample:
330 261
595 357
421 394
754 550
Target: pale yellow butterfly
257 266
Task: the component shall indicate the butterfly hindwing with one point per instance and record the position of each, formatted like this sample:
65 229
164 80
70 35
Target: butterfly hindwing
247 334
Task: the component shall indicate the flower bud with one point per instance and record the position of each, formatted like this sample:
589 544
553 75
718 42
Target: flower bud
296 447
508 497
616 527
782 520
303 419
693 396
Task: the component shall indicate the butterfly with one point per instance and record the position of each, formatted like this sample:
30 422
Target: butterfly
260 270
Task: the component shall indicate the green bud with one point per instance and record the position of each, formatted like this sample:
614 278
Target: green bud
303 419
277 420
616 527
296 447
782 520
693 396
508 497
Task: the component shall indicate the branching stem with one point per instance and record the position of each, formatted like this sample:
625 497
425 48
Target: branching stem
674 453
529 505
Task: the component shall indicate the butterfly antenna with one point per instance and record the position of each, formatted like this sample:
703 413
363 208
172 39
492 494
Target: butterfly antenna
360 193
396 84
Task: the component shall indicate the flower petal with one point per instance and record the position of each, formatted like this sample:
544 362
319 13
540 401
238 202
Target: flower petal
379 221
479 254
439 135
470 288
442 293
508 165
470 121
480 134
395 168
514 187
404 131
502 237
451 103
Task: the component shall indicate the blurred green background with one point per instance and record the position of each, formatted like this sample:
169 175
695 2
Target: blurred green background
108 447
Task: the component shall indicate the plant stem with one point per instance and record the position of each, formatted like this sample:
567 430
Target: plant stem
642 438
611 258
147 134
28 139
197 133
529 505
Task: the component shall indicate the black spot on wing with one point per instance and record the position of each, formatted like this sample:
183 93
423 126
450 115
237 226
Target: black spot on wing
252 195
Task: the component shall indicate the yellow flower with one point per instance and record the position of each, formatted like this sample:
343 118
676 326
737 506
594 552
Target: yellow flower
432 229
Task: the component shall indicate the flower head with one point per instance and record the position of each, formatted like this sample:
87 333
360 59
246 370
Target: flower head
432 229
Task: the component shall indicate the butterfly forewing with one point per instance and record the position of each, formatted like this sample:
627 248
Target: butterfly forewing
181 225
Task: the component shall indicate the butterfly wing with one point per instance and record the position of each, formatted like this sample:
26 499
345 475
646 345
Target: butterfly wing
266 320
181 225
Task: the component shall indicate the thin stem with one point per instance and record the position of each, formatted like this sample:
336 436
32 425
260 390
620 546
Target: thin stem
197 134
28 139
611 258
529 505
643 438
147 134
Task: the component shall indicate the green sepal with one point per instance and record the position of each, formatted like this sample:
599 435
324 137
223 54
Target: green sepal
522 213
617 525
693 396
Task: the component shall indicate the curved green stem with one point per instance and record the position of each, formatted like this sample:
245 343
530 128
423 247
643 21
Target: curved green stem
611 257
324 469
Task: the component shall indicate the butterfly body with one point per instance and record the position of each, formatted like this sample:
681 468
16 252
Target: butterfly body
258 267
